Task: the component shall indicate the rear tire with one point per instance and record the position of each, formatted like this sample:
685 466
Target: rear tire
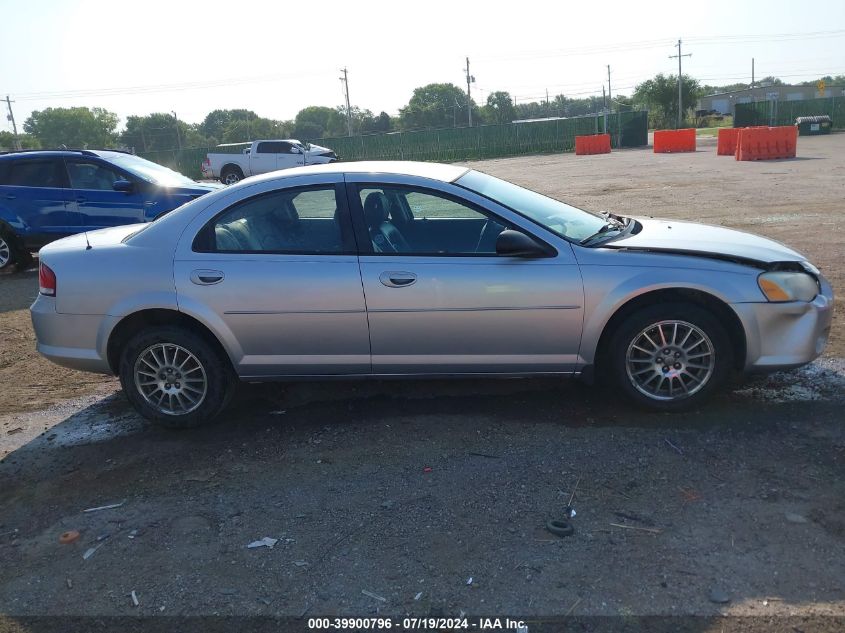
175 378
231 175
670 357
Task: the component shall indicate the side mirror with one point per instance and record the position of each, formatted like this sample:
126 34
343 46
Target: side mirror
516 244
295 150
123 185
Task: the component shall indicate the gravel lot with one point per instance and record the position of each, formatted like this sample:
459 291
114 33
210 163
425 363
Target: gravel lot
406 490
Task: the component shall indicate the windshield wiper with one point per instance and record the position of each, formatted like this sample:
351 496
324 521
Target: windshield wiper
612 223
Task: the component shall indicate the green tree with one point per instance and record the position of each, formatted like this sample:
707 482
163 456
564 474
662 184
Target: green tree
837 80
216 121
316 122
370 124
156 131
74 127
383 122
660 95
499 108
7 141
256 128
434 106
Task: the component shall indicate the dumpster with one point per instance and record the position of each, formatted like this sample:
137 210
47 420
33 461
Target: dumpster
813 125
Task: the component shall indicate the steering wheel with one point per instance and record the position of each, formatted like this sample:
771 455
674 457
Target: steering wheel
563 220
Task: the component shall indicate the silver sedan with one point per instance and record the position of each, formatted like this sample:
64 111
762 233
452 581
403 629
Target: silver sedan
418 269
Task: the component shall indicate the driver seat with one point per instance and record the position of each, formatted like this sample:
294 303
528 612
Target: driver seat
384 235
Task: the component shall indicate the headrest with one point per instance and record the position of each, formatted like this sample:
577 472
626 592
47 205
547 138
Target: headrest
376 209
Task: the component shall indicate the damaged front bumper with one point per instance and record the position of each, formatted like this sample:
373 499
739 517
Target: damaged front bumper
786 335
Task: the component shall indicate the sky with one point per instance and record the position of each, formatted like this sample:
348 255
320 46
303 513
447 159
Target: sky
276 57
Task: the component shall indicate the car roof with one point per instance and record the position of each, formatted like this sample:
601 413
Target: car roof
25 153
434 171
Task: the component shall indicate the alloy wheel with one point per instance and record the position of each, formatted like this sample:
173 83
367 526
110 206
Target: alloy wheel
5 252
670 360
170 378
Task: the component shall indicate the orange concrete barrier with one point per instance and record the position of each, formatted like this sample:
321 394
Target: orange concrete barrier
674 140
726 145
766 143
592 144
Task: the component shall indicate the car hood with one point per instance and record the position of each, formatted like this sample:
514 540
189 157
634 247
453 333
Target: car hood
198 188
318 149
691 238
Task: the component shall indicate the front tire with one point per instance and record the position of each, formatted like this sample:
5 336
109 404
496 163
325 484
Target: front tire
175 378
670 357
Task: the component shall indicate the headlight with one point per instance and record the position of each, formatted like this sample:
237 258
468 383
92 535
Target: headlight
788 286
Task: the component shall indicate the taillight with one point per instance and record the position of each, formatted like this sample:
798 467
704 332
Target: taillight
46 280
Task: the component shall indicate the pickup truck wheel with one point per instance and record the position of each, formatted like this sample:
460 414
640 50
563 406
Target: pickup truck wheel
670 357
231 175
175 378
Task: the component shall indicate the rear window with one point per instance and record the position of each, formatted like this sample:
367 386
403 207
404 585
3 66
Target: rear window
273 147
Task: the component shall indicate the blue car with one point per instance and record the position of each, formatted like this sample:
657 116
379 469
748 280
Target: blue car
49 194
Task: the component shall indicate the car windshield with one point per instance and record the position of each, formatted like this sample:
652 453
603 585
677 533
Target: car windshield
150 171
560 218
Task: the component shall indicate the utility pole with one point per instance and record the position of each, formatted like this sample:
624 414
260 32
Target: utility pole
178 136
680 75
11 118
470 79
752 72
345 80
604 113
609 95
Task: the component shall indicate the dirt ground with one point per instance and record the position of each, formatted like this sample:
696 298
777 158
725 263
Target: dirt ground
433 496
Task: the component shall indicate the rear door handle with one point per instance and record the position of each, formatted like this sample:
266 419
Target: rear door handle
81 200
10 196
207 277
397 279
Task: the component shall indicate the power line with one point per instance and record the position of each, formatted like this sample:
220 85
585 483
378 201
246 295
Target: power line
129 90
659 43
770 37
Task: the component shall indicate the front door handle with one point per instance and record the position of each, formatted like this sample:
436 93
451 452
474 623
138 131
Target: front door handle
207 277
10 196
397 279
81 200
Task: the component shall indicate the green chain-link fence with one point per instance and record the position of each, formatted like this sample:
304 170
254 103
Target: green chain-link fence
627 129
785 112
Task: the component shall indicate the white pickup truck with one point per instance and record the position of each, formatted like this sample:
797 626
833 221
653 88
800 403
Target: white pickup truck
259 157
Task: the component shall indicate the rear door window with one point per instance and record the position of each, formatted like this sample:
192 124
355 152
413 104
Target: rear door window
39 172
288 221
